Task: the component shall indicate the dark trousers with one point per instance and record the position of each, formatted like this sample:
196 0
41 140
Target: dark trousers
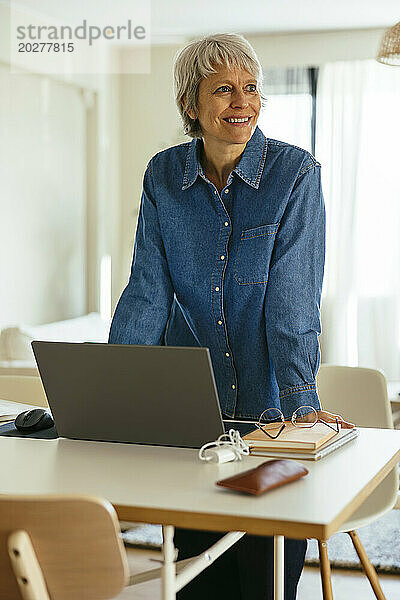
244 572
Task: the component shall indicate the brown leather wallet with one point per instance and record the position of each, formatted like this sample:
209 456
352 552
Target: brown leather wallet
268 475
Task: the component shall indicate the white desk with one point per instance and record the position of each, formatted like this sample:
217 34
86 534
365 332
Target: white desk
170 486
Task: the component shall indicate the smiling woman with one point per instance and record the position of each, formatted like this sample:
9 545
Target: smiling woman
229 255
218 57
220 101
228 105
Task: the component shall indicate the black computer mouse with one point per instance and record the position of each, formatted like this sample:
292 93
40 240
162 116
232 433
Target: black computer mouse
33 420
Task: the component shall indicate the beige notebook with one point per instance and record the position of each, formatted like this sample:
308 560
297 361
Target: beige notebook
339 440
300 438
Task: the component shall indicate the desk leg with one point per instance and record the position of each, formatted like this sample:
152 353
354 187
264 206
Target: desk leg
279 567
168 570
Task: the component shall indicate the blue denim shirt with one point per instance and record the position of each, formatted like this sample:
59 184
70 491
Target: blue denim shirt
239 272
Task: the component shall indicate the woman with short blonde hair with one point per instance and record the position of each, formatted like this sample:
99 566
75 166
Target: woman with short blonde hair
229 255
195 62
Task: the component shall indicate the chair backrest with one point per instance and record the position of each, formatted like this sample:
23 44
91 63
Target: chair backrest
76 542
358 394
23 388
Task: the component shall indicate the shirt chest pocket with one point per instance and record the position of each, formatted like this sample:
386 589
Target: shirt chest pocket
254 254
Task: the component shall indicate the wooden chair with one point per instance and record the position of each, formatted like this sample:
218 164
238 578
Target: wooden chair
359 395
59 548
23 388
70 548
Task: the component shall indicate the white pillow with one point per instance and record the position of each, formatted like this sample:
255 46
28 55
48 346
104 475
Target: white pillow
15 342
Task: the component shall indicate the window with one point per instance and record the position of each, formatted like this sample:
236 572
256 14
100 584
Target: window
290 111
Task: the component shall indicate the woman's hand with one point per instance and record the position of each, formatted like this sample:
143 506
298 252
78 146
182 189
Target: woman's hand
324 415
331 418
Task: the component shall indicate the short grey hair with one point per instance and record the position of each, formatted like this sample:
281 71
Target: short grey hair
198 60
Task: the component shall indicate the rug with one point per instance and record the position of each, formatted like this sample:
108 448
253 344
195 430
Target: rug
381 541
143 535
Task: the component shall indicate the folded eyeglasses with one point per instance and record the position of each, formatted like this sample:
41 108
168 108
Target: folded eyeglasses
272 422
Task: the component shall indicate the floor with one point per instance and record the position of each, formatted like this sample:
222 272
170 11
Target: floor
347 585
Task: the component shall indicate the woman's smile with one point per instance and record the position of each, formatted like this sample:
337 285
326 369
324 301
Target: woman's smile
238 121
228 107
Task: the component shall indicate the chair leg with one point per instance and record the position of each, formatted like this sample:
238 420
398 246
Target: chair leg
366 565
325 568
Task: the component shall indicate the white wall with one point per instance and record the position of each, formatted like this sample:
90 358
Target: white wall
149 122
42 199
316 48
79 166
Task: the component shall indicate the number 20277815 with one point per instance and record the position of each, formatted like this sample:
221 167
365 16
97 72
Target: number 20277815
45 47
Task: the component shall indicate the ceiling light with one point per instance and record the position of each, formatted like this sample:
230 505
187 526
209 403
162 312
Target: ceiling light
389 52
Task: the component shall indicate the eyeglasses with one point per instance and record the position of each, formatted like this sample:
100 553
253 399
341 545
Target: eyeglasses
272 422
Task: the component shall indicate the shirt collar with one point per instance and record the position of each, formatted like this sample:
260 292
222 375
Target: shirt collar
249 168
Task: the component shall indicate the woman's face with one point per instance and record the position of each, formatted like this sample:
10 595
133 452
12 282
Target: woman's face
226 95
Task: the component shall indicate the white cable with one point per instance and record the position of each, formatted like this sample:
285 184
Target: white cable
229 446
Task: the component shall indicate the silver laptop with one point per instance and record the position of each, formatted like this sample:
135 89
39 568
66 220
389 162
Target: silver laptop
159 395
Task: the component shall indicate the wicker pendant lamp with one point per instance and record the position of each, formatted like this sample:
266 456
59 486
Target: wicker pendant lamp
389 52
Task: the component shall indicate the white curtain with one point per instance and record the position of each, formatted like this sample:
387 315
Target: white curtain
357 143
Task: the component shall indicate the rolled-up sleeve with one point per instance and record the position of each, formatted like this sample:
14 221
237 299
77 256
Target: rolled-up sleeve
143 309
292 305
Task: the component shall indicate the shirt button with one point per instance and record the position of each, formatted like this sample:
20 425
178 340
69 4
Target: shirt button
226 223
226 353
215 191
217 289
233 387
222 257
219 322
226 191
